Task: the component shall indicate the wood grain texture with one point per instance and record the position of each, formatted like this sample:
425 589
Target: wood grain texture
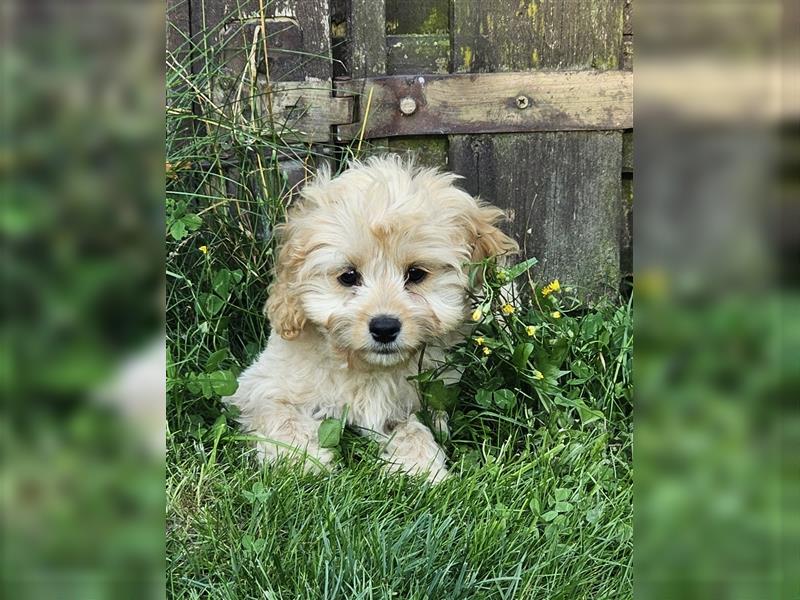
627 18
626 61
627 152
178 29
417 16
627 53
427 151
416 54
626 230
500 35
179 57
557 189
497 103
366 51
419 43
210 17
563 189
304 112
366 34
285 55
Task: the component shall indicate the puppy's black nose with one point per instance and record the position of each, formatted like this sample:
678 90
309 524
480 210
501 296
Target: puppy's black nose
384 328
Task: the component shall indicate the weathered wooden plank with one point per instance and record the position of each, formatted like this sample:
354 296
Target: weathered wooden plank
413 54
626 229
211 17
304 112
563 188
492 35
179 58
626 61
556 188
428 151
301 112
627 18
178 28
419 16
366 33
627 152
241 41
627 53
366 51
496 103
419 42
339 44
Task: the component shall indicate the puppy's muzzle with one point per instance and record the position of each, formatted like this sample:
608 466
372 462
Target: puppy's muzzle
384 328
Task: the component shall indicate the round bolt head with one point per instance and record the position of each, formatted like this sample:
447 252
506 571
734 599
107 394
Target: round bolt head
408 105
522 102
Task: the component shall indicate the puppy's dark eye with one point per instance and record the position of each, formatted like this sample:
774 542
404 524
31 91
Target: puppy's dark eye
350 278
415 275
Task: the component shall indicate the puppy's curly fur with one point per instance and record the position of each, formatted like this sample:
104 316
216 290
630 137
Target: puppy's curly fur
371 269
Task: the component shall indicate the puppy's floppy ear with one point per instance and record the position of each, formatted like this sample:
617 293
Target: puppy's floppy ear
283 307
487 239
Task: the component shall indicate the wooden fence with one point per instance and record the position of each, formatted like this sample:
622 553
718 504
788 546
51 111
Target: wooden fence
529 100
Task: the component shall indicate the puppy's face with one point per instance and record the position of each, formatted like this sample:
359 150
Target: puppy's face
374 260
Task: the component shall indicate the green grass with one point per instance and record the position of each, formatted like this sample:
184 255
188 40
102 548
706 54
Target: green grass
555 524
539 504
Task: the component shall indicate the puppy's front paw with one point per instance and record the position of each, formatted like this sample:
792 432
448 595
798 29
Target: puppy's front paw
411 449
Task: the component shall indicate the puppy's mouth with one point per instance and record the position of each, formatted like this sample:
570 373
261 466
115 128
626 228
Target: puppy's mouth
387 350
386 354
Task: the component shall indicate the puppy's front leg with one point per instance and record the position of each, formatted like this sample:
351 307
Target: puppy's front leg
289 433
412 449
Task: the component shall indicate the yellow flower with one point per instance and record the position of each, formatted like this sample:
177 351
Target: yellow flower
530 330
537 374
479 341
555 314
477 314
203 249
553 286
507 309
487 351
501 275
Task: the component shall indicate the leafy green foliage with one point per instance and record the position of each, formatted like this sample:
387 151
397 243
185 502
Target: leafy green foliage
330 433
536 359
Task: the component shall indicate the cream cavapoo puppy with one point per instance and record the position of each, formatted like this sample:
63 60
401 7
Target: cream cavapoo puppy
371 270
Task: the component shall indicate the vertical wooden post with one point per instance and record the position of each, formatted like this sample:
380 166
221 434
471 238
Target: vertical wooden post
423 27
178 45
366 31
561 189
364 52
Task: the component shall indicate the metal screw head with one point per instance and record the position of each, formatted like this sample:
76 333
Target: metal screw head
408 105
522 102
